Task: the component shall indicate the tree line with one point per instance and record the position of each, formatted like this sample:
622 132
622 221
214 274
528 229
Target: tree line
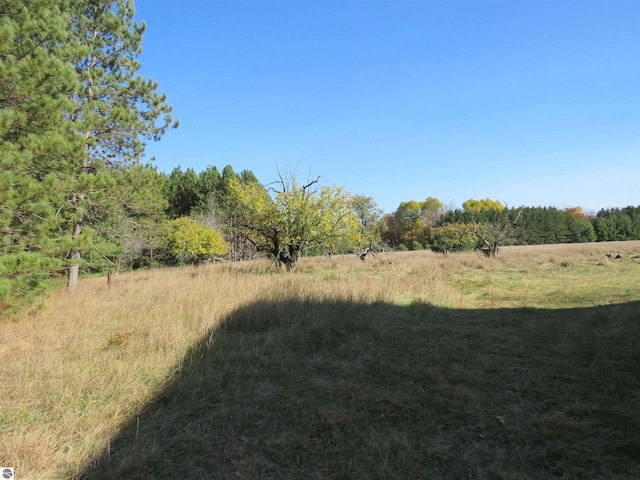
417 225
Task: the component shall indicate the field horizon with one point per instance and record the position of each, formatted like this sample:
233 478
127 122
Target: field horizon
409 365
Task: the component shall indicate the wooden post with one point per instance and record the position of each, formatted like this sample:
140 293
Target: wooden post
108 280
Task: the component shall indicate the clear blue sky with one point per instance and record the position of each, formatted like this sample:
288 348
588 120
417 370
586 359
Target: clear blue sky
532 103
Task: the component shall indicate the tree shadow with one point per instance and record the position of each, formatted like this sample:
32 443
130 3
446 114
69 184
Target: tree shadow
316 390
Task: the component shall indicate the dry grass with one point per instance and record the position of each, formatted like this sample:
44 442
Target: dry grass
411 365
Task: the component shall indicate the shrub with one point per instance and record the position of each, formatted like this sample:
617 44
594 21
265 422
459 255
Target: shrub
454 237
191 242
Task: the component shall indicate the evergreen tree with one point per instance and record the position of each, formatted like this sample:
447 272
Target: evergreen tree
209 186
130 218
617 224
115 110
74 116
182 191
36 83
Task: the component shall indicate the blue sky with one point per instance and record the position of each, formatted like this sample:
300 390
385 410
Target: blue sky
532 103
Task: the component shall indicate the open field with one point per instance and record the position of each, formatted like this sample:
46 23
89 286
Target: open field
411 365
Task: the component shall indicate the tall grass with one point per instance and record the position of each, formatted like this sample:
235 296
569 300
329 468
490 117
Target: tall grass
97 365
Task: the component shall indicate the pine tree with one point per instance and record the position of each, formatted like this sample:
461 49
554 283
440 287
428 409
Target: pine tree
36 84
74 118
116 111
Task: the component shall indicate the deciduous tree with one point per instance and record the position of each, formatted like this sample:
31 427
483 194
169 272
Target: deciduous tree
409 222
472 205
294 217
577 213
452 237
431 211
493 233
369 218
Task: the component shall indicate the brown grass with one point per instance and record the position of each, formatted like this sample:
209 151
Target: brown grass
421 366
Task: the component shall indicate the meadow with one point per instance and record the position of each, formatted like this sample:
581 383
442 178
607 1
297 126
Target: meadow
410 365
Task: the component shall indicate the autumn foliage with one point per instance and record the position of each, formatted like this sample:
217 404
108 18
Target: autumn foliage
191 242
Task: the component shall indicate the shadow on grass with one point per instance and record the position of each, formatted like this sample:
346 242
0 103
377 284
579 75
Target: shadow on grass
343 390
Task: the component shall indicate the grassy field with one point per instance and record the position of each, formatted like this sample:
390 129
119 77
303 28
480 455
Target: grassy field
411 365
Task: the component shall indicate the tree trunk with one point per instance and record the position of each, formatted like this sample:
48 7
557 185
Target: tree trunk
74 269
72 277
291 260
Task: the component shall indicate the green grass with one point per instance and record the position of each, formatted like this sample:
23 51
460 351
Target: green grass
555 284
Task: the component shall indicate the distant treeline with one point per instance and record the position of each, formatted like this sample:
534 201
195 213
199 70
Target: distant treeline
546 225
535 225
617 224
418 225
